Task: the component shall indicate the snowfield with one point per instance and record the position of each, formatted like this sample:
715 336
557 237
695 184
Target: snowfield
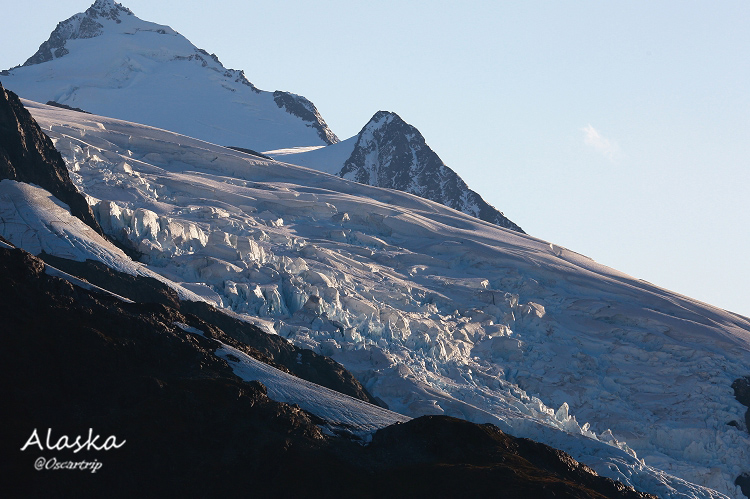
433 311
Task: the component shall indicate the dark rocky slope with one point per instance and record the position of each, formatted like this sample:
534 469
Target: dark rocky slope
73 360
303 363
741 387
28 155
249 151
65 106
299 106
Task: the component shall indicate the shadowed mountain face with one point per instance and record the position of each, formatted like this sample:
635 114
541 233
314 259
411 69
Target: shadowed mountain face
305 110
74 360
28 155
391 153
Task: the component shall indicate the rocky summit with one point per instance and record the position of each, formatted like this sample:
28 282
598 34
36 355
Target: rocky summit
391 153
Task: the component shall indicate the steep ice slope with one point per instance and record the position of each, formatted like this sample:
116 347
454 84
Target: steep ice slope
388 152
341 412
33 219
108 61
435 311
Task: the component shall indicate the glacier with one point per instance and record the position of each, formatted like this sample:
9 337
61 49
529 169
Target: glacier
434 311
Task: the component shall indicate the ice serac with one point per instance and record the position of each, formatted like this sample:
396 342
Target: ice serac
391 153
28 155
109 62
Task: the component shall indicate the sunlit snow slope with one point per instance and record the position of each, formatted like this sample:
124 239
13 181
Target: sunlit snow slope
342 413
36 221
108 61
434 311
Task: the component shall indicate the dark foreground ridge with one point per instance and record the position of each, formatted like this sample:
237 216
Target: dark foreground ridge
28 155
303 363
73 360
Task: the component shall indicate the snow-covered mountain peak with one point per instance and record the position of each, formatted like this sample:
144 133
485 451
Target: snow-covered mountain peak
389 152
108 61
382 118
382 130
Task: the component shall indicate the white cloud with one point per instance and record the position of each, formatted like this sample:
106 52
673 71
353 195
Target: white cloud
594 139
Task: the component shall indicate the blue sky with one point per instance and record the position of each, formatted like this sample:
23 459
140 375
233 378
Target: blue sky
620 130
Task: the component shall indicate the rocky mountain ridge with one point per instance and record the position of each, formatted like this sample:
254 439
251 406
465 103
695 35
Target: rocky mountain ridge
391 153
28 155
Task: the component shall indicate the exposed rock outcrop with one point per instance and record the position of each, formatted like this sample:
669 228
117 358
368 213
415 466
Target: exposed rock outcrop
305 110
741 387
81 26
743 481
28 155
65 106
393 154
249 151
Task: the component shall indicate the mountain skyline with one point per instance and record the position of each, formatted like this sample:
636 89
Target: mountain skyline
666 95
108 61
